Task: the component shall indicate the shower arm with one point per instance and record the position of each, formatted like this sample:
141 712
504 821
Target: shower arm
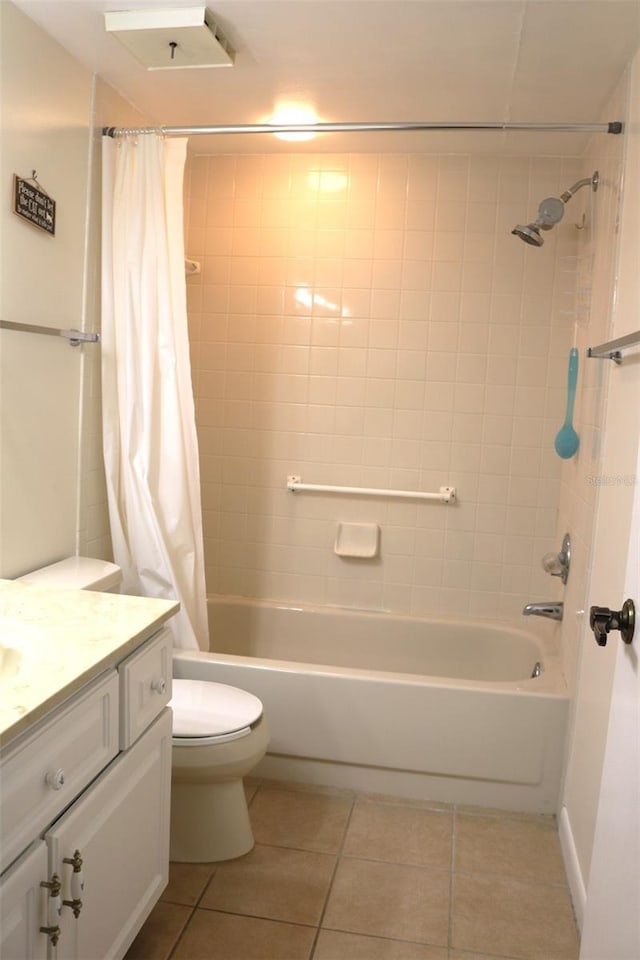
592 181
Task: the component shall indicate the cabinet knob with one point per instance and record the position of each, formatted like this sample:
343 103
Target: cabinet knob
55 779
159 686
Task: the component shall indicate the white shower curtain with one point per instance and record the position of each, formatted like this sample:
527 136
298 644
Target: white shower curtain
150 443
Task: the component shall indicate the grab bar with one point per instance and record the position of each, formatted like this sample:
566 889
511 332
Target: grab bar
75 337
446 494
611 349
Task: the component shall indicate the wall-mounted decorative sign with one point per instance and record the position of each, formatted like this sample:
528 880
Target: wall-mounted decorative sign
33 203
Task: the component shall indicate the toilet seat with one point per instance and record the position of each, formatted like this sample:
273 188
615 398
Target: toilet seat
205 712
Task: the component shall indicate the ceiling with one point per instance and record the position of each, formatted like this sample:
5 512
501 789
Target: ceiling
376 60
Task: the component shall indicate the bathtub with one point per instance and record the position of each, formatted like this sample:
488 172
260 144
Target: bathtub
439 709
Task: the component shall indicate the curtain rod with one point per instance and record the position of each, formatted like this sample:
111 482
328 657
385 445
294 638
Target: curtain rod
611 127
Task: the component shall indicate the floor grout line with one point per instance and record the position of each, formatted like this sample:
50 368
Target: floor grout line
454 827
181 934
333 876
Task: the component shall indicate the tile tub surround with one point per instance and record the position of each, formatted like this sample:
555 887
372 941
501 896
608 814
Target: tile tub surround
369 320
337 875
66 638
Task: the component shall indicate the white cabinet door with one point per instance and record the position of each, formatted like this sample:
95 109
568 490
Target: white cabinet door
120 827
23 907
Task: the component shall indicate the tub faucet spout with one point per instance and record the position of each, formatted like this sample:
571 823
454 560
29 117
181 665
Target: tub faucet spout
551 610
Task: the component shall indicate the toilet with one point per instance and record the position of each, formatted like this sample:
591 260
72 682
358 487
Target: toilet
219 735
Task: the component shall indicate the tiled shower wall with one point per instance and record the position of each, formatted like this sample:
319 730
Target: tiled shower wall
596 278
368 320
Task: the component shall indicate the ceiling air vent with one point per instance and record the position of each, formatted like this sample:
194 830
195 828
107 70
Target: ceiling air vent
171 39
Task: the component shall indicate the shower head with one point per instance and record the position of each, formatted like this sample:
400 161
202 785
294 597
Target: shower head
550 212
530 233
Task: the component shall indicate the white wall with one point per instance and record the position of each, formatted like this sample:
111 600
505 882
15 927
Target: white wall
52 499
46 106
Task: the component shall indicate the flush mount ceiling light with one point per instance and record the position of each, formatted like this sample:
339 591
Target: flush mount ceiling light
171 39
291 114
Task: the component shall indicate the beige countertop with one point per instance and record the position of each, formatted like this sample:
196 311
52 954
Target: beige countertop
53 641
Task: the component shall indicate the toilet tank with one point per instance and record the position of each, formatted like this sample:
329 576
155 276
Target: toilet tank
77 573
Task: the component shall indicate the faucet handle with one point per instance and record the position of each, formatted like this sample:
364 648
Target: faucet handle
602 620
551 563
557 564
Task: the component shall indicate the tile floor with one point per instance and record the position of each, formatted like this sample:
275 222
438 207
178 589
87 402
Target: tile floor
336 875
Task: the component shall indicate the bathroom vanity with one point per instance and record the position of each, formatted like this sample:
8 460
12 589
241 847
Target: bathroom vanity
85 769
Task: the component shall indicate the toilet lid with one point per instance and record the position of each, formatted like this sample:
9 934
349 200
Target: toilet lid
205 709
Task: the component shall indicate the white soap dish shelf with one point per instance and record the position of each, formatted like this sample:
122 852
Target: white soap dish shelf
360 540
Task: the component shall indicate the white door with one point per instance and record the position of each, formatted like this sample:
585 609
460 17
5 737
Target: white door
612 917
611 929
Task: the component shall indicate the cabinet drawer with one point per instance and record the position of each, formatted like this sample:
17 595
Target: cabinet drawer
145 686
43 773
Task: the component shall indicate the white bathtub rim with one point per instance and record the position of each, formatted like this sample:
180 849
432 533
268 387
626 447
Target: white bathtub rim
551 684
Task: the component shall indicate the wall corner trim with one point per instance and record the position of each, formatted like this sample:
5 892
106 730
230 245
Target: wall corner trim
572 866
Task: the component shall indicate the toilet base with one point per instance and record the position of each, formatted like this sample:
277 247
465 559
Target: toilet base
209 821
